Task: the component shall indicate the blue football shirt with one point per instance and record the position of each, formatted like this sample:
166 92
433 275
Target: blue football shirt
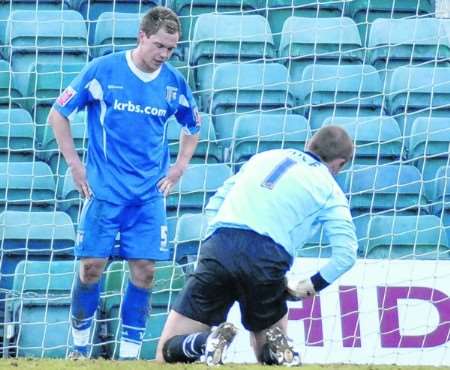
127 111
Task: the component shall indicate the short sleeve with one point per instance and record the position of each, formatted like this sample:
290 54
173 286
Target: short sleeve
187 113
77 95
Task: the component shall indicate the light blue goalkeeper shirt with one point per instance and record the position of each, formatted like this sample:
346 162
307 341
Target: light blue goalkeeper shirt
287 194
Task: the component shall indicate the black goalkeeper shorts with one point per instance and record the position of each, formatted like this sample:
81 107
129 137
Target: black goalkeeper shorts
237 265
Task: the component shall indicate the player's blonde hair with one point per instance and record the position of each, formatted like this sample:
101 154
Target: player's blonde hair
332 142
158 18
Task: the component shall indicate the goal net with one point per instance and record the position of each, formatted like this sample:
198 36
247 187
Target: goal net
266 74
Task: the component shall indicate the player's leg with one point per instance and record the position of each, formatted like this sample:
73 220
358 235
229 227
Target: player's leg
204 302
141 243
263 301
95 240
136 307
272 346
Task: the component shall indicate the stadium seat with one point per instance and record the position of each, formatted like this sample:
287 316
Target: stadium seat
383 189
48 36
9 95
44 84
207 150
377 138
256 133
49 151
189 11
38 309
6 7
115 32
227 38
34 236
440 205
190 231
307 41
247 88
364 12
26 185
195 187
429 148
16 136
338 90
398 42
418 92
277 11
92 9
168 281
407 237
70 200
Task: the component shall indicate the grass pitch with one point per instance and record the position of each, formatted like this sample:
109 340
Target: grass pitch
32 364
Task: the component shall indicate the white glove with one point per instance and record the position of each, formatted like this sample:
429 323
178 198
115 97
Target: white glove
298 290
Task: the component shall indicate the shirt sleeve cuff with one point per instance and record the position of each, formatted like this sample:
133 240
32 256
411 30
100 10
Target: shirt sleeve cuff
319 282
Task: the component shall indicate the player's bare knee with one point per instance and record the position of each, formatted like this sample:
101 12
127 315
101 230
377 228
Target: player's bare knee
91 271
142 274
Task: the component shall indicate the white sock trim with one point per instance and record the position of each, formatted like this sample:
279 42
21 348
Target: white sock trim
129 349
81 337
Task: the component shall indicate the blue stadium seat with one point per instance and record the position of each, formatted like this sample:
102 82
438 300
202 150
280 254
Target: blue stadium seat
307 41
38 309
34 236
418 92
115 32
92 9
7 7
247 88
441 197
317 246
207 150
429 148
364 12
407 237
49 151
168 281
338 90
377 138
44 84
256 133
196 186
190 231
227 38
9 95
50 36
383 189
189 11
26 185
398 42
16 136
277 11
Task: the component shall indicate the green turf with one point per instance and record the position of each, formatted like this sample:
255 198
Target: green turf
28 364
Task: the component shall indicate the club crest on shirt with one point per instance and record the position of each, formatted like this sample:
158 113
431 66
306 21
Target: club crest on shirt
171 93
66 96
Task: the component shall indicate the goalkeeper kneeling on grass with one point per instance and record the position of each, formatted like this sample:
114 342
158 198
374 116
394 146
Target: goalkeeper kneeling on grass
259 216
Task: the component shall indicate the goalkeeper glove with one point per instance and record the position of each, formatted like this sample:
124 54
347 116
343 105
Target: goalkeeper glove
297 290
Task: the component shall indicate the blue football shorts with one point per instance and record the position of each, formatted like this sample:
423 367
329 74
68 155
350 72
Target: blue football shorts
142 229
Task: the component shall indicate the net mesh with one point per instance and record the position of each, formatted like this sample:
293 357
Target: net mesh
266 74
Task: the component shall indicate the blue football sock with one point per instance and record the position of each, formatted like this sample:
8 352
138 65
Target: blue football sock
85 298
135 309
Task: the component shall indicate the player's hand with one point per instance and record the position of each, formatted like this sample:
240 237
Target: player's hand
168 182
80 180
297 290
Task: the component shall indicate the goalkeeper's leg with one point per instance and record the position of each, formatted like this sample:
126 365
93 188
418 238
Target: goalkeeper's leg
85 299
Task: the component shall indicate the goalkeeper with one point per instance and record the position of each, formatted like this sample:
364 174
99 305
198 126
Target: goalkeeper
260 216
129 97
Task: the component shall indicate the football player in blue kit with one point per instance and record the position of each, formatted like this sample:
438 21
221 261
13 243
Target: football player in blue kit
259 217
128 96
